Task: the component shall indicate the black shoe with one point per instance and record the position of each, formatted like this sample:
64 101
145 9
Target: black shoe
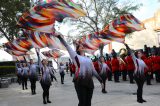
104 91
32 93
48 101
44 102
139 101
149 84
117 81
144 100
26 88
134 93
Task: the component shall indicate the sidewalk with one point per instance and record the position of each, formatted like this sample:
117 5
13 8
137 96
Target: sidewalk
119 94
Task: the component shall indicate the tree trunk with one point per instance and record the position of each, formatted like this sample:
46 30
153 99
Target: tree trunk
101 49
5 35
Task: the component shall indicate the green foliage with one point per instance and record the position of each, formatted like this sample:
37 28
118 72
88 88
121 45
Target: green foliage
7 63
5 70
8 16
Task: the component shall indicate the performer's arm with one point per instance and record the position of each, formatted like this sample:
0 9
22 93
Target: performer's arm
132 54
71 52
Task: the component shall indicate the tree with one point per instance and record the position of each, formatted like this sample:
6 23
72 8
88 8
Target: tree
100 13
9 9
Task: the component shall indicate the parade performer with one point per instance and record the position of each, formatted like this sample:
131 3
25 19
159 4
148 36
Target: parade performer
115 66
149 71
156 66
24 73
61 72
53 70
83 76
130 67
104 70
96 65
123 69
45 80
123 66
108 62
33 76
18 72
139 73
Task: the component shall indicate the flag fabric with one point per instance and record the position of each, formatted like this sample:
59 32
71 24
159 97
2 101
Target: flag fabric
120 27
55 43
37 39
35 22
19 58
18 53
43 16
59 9
53 53
41 40
47 12
92 42
115 31
20 44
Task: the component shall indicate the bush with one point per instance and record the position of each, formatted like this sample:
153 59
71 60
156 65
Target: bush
7 63
5 70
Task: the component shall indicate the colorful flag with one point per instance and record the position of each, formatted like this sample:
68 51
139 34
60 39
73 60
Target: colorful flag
20 44
18 53
32 21
53 53
59 9
41 40
120 27
92 42
55 43
42 16
37 39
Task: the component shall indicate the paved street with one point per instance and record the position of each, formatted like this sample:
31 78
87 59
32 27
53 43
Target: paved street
119 94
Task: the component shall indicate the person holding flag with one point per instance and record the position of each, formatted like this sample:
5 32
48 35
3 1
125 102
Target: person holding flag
83 81
18 72
33 76
139 72
103 67
24 74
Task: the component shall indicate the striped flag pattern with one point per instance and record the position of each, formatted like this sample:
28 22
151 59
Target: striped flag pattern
53 53
41 40
43 16
19 44
120 27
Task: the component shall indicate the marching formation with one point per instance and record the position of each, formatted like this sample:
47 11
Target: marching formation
137 67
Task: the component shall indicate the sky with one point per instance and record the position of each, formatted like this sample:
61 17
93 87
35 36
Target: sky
146 11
